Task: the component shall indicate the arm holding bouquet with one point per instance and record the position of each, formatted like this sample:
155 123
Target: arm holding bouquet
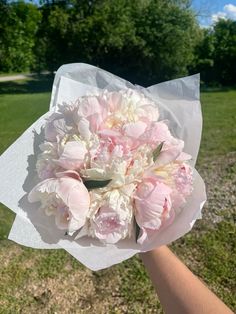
179 290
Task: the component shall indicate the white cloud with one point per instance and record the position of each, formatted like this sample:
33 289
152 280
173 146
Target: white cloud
229 12
217 16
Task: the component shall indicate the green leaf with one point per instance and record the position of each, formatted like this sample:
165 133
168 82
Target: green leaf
157 151
137 230
93 184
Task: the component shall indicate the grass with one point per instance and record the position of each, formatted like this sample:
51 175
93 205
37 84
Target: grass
219 132
50 281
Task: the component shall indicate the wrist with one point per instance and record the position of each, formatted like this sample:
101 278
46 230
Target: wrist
155 252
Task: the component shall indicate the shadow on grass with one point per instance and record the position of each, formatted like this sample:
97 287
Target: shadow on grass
208 89
35 84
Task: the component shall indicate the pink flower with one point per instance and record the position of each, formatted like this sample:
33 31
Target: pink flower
148 112
112 221
133 103
115 138
152 203
183 180
114 100
146 234
73 155
94 109
154 134
108 161
170 151
158 132
134 129
83 128
45 166
107 152
178 175
56 126
65 197
108 225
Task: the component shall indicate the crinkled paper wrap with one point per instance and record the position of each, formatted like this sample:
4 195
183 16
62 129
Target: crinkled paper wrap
178 102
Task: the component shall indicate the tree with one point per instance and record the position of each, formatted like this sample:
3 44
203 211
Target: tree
203 61
144 41
52 38
225 51
168 30
18 25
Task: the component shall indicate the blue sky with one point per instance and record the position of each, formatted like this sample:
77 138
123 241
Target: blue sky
211 10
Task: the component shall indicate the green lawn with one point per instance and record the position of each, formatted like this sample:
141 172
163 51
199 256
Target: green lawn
219 131
53 281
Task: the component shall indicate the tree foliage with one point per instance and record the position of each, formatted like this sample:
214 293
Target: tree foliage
225 51
144 41
18 26
203 61
215 54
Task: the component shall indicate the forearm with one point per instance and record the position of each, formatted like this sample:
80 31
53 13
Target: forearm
179 291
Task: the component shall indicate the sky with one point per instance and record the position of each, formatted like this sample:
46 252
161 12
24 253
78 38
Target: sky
210 11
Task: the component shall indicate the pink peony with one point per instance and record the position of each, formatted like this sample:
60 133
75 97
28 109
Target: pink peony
115 138
132 104
152 204
148 113
58 125
72 156
178 175
183 180
134 129
108 225
45 166
158 132
65 197
114 100
112 221
94 110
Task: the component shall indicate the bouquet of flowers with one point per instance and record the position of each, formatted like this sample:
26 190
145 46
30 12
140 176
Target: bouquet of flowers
110 168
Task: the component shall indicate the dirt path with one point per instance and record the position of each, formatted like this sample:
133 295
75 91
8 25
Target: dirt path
17 77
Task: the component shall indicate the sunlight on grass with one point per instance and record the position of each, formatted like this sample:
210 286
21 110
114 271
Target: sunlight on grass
219 120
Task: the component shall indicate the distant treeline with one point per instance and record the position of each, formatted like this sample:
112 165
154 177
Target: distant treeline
145 41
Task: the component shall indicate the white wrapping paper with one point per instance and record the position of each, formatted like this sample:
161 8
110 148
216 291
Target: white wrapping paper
178 102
